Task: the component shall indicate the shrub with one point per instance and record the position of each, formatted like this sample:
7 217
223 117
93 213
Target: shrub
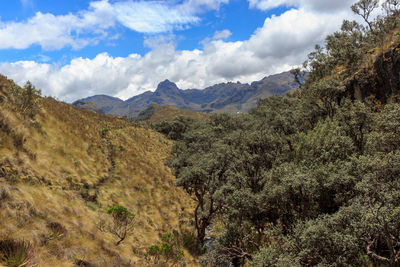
16 253
27 99
270 257
169 250
121 225
153 253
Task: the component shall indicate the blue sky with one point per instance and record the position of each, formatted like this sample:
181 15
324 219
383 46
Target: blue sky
75 48
241 25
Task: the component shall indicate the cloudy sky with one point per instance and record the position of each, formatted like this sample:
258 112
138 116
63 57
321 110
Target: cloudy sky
77 48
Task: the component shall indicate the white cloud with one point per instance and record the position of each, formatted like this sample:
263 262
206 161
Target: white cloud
87 27
162 16
283 41
317 5
157 40
153 17
224 34
218 35
209 4
55 32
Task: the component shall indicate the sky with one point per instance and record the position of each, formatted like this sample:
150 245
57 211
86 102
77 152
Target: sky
78 48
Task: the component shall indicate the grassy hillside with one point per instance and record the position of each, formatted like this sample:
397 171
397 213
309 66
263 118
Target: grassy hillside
61 170
157 113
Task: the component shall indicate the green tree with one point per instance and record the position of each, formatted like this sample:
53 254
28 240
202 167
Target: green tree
364 8
392 7
175 128
201 162
27 99
309 178
121 225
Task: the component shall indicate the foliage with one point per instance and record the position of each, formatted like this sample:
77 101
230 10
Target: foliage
272 257
27 99
122 223
175 128
168 250
320 165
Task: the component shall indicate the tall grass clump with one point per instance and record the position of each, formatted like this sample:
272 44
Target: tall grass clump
16 253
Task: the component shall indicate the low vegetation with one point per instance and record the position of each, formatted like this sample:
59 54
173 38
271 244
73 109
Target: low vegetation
166 252
62 168
16 253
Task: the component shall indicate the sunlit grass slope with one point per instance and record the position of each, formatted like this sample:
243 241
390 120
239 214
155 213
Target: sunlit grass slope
66 166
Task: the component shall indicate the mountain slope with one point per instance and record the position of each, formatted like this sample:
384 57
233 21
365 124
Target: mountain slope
87 106
66 167
156 113
107 104
225 97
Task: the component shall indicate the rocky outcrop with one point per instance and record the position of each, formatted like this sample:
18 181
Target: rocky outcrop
381 79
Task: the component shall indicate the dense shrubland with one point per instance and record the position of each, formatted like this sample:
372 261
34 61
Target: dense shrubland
310 178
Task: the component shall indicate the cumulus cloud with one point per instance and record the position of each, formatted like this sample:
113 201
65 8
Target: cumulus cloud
282 42
89 26
55 32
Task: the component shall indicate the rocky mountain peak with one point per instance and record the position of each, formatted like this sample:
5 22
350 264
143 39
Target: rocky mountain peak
167 87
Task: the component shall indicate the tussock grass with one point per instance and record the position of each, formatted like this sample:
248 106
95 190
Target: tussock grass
49 198
16 253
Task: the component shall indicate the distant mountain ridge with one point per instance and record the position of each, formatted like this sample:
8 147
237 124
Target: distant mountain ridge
224 97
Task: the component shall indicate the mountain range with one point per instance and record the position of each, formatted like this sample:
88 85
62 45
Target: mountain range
224 97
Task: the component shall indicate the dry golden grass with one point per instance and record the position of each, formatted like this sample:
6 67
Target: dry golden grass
67 167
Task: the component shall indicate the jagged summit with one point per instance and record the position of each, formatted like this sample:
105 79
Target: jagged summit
166 83
223 97
167 87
